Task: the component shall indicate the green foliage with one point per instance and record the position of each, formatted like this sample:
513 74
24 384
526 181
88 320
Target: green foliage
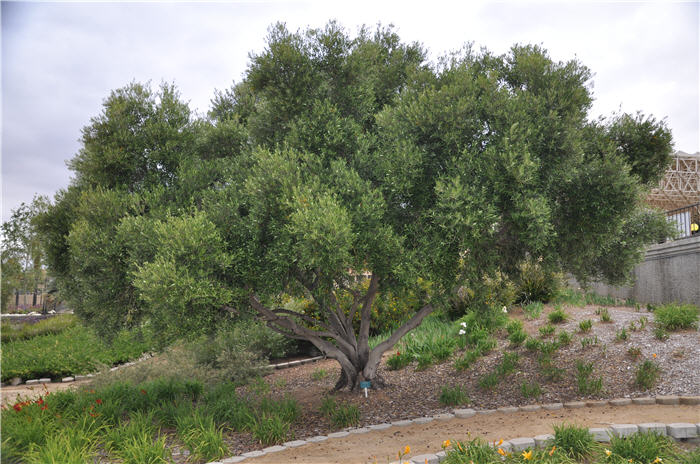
533 344
534 309
337 155
564 338
585 326
531 389
517 338
557 316
75 350
537 284
587 384
576 442
475 450
399 360
589 341
319 374
600 300
674 316
52 325
270 430
467 359
621 335
453 396
604 315
660 333
642 447
647 374
345 415
547 330
328 405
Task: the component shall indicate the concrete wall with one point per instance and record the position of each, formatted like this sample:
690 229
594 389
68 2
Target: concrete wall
670 272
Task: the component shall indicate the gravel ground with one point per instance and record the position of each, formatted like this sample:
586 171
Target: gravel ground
413 393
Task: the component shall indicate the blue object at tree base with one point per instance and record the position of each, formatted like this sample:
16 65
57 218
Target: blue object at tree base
365 384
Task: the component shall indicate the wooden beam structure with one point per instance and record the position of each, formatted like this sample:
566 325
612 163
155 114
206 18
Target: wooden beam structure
680 185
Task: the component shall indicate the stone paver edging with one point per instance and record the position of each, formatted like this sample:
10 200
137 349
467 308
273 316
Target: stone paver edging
677 431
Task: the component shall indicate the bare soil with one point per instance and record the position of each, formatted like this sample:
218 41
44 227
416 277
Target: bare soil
382 445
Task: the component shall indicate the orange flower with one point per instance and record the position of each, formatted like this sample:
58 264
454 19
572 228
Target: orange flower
501 452
527 455
551 452
446 443
407 449
654 355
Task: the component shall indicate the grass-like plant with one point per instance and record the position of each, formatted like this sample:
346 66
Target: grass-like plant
270 430
453 396
557 316
328 405
564 338
202 437
399 360
533 344
319 374
634 352
531 389
604 315
570 297
647 374
489 381
589 341
621 335
642 448
587 384
517 338
467 359
533 310
345 415
508 364
547 330
574 441
145 449
585 326
485 345
643 321
660 333
600 300
476 450
674 316
54 325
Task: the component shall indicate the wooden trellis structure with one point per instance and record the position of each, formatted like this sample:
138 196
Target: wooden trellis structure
680 186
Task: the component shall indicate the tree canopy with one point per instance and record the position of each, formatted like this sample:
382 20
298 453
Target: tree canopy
338 157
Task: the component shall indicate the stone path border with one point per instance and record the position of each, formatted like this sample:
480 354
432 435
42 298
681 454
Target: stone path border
677 431
145 356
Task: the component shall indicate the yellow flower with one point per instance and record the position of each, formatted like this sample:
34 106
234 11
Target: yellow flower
501 452
630 460
446 443
657 460
527 455
551 452
608 452
407 449
500 442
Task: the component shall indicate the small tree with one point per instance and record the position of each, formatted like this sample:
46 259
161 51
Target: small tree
340 157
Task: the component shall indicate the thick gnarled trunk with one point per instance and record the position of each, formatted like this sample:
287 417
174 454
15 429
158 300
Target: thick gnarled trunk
335 336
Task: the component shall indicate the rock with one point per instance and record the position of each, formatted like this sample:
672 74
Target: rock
15 381
360 430
623 430
464 413
531 407
422 420
380 426
233 460
45 380
552 406
574 404
401 423
486 411
508 409
317 439
441 455
601 435
647 400
544 441
692 400
652 427
445 416
521 444
680 430
253 454
425 459
67 379
274 449
296 443
671 399
32 382
335 435
620 402
596 403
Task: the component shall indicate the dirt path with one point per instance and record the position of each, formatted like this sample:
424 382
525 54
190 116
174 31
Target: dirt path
381 446
9 394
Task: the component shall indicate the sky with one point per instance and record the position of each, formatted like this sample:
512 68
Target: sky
61 60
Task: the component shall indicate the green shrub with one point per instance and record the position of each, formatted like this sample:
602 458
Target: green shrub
605 315
647 374
75 350
676 316
532 344
574 441
517 338
557 316
535 283
145 449
467 359
270 430
571 297
453 396
548 348
328 405
476 450
642 447
585 326
531 389
489 381
424 361
508 364
54 325
600 300
564 338
621 335
485 296
319 374
660 333
398 360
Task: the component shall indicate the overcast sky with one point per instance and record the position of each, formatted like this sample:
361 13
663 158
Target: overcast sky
60 60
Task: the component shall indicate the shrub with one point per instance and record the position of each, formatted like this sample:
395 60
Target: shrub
647 374
621 335
557 316
319 374
642 447
576 442
489 381
477 451
453 396
467 359
676 316
535 283
564 338
531 389
585 326
548 348
600 300
514 326
571 297
484 296
634 352
328 405
270 429
532 344
54 325
517 338
398 360
660 333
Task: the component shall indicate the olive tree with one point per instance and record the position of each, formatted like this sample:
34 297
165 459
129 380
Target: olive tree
342 167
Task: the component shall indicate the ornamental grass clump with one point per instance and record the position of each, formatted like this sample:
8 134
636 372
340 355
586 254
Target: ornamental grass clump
576 442
647 374
453 396
674 316
557 316
645 448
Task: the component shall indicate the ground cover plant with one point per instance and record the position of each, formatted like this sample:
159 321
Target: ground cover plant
74 350
130 422
53 325
676 316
